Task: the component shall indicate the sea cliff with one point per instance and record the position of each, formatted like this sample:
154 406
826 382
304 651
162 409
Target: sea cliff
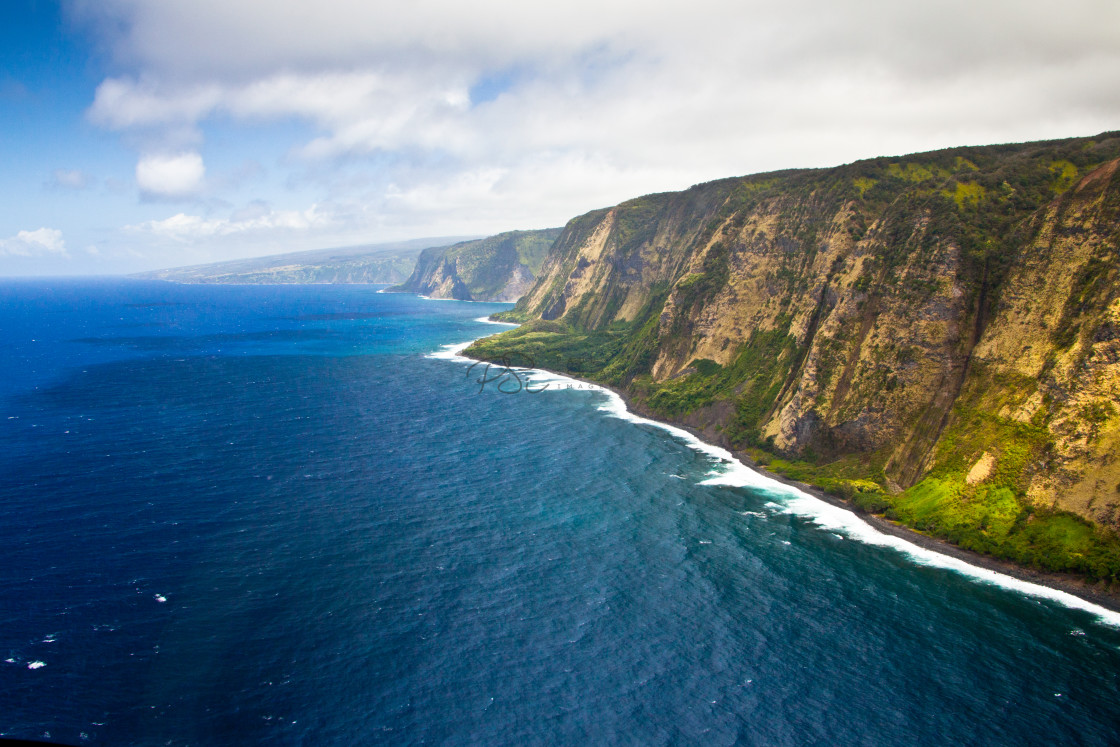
933 337
497 268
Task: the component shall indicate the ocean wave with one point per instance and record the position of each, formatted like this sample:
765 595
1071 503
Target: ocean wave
452 352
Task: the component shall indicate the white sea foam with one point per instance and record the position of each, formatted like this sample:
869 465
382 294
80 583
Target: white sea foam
729 471
36 664
832 517
160 598
732 472
451 352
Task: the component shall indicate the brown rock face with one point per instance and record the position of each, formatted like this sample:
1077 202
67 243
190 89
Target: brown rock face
1056 337
881 309
497 268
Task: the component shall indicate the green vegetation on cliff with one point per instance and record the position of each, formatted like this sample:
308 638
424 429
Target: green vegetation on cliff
935 337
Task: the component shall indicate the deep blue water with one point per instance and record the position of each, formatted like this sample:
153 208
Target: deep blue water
261 515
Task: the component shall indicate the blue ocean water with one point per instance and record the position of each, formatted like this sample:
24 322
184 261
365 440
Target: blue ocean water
265 515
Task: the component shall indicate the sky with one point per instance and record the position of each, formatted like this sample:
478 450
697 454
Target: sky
139 134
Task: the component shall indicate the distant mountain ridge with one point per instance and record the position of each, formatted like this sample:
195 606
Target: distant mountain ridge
502 267
389 262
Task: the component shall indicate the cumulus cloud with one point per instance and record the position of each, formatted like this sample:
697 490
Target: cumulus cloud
170 176
121 103
363 110
40 242
467 111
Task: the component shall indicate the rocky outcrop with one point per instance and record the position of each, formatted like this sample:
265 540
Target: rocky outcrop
497 268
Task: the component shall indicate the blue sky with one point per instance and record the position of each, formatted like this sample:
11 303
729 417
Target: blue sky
137 134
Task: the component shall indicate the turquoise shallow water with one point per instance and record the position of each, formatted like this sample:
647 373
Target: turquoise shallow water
263 515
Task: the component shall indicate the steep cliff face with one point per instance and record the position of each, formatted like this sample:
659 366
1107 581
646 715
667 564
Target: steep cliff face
940 330
1050 357
497 268
607 264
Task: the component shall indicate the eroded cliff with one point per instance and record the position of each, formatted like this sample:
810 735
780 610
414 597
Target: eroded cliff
936 336
498 268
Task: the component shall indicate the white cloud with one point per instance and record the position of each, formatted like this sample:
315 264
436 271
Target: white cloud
179 175
121 103
40 242
586 103
365 110
255 222
630 77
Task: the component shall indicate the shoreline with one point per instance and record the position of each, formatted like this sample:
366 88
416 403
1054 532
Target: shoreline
1053 581
1050 579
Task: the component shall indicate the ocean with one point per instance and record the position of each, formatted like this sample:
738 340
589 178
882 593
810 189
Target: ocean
292 515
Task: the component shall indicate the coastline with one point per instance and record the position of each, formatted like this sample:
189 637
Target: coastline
1050 579
1053 580
1061 584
